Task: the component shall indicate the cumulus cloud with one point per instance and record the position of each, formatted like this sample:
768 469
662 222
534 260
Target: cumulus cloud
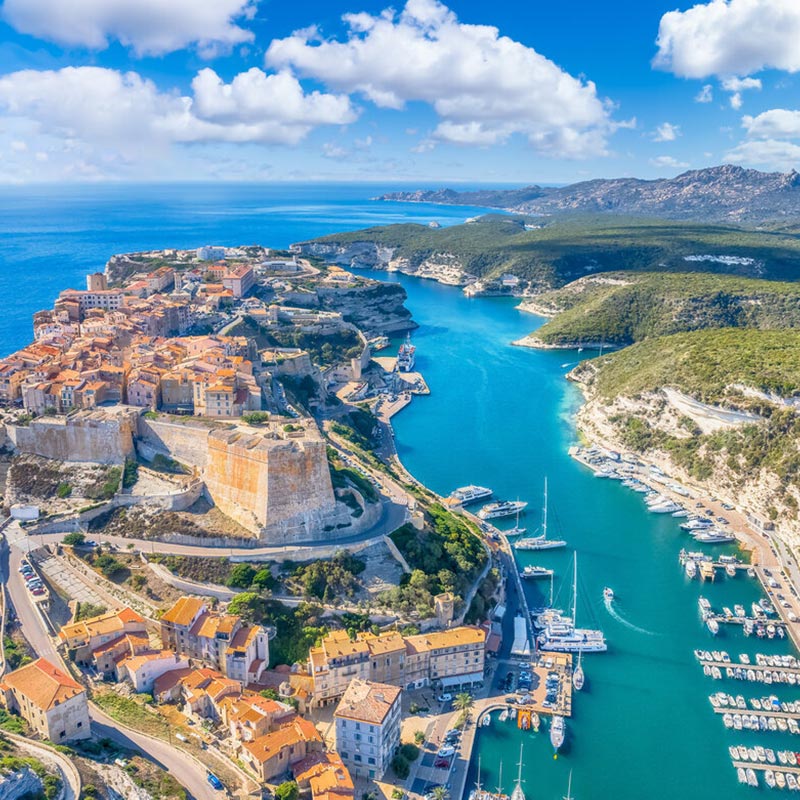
705 95
776 123
150 27
666 132
668 162
769 153
130 114
485 87
730 37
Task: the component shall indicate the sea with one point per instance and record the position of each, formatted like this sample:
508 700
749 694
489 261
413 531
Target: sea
499 416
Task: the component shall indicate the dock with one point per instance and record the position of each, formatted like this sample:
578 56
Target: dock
757 765
754 667
751 712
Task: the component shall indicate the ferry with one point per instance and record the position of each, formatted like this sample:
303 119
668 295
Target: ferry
465 495
504 508
540 542
535 572
557 731
406 356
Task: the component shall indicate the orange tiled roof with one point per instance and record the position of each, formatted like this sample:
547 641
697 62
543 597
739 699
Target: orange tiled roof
367 701
184 611
44 684
266 747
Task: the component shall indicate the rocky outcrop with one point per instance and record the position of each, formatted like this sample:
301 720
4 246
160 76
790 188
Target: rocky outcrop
22 782
725 192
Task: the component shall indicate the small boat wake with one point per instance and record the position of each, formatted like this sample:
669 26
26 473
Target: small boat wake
609 604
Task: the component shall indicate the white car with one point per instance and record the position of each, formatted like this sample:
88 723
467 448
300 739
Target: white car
445 698
445 752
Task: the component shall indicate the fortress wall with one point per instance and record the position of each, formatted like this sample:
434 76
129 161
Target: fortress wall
100 436
186 443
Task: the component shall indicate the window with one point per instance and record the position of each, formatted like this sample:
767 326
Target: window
357 757
371 760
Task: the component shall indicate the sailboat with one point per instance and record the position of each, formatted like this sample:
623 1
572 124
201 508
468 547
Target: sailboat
578 677
516 530
517 793
569 788
560 633
540 542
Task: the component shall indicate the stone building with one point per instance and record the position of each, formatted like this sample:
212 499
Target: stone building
368 727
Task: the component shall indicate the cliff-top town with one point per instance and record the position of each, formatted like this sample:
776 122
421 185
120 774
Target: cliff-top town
231 397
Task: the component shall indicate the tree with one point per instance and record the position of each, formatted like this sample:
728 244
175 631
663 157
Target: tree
270 694
248 605
74 539
241 576
419 738
400 766
440 793
288 790
463 701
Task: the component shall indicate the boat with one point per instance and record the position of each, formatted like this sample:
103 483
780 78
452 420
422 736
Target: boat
557 731
769 778
535 572
560 633
503 508
540 542
714 537
503 715
752 780
406 356
516 530
696 523
730 570
569 788
578 678
741 775
780 779
665 508
608 594
739 611
690 568
379 342
713 626
487 720
465 495
517 793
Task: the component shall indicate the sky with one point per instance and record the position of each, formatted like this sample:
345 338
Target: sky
420 91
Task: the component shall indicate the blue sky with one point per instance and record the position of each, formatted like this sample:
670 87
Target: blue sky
419 91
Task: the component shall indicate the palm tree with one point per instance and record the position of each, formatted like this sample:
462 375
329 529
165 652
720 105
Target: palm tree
463 701
440 793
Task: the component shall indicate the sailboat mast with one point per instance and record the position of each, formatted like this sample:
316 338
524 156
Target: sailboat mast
575 592
500 782
569 787
544 510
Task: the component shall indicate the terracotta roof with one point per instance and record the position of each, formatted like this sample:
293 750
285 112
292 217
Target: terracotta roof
366 701
439 640
99 625
324 772
44 684
243 638
266 747
163 683
138 661
184 611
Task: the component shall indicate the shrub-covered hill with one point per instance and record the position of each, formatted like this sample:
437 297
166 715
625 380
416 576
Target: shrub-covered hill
621 308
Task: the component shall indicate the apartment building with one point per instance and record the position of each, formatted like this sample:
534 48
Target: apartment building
454 657
239 279
49 700
85 639
273 755
238 650
368 727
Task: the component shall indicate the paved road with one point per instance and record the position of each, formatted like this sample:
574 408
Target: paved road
393 515
181 766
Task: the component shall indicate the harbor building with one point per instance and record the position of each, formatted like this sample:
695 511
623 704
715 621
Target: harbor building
49 700
368 727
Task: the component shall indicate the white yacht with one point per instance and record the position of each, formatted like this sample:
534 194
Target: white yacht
560 633
504 508
469 494
535 572
714 537
540 542
557 731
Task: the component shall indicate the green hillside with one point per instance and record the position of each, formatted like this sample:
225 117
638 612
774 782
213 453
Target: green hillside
567 248
705 364
621 308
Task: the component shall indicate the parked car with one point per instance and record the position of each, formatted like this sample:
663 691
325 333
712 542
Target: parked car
442 763
445 698
446 751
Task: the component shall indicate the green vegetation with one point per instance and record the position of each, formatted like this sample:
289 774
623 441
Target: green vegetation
11 722
564 249
107 564
51 784
130 475
75 539
256 417
288 790
400 766
327 580
16 654
621 308
705 364
63 490
447 556
88 610
154 780
298 629
241 576
129 712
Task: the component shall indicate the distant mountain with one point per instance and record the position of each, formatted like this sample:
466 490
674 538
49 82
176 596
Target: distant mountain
725 193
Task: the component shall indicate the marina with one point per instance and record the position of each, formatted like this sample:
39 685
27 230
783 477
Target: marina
621 545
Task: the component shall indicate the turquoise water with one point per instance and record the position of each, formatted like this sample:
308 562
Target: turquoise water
497 415
501 416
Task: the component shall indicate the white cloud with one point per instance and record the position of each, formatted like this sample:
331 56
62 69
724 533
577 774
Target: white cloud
730 37
129 114
150 27
485 87
331 150
666 132
705 95
18 146
769 153
736 101
774 124
741 84
668 162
